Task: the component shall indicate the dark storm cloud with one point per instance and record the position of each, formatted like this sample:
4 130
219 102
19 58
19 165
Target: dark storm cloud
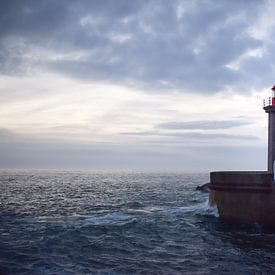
152 44
202 125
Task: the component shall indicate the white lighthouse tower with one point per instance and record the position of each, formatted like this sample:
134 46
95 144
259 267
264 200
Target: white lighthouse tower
269 107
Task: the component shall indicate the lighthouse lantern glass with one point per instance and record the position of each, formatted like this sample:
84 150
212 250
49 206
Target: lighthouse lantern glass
273 93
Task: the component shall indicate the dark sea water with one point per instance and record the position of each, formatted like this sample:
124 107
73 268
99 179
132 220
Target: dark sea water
121 223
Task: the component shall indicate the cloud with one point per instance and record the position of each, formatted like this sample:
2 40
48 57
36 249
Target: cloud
51 154
154 45
193 136
202 125
5 134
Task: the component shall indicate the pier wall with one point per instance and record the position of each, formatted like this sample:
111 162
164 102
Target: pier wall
245 197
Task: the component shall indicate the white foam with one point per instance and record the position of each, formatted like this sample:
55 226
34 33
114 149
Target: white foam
109 219
202 208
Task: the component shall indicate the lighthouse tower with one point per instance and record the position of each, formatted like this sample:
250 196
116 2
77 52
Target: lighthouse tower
269 107
248 196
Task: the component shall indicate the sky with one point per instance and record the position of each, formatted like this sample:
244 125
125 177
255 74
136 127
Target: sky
135 85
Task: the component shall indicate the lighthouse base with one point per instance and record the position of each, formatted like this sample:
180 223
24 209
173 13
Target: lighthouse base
244 197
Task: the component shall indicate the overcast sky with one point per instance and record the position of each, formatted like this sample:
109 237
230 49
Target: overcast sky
135 84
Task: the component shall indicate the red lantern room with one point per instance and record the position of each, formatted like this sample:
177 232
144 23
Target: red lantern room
270 101
273 95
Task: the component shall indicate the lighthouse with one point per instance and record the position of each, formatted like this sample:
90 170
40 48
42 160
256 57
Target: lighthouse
269 107
248 196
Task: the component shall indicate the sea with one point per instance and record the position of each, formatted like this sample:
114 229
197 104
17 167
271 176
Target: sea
79 222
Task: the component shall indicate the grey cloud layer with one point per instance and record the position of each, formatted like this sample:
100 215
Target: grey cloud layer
203 125
17 152
196 125
151 44
192 136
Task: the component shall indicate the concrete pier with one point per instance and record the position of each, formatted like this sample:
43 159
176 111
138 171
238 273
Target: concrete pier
244 197
248 197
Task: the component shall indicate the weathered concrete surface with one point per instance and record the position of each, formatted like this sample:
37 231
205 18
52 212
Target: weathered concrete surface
245 197
245 207
241 179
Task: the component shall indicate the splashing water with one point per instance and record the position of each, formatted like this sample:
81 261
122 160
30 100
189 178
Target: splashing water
115 218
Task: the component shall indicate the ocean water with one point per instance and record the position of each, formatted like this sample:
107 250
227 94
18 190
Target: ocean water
121 223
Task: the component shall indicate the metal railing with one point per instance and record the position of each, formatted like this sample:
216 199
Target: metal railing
267 102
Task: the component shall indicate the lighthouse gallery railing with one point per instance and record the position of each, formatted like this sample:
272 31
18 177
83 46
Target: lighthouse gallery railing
267 102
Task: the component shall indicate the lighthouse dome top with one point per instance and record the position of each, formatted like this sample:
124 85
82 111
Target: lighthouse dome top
273 88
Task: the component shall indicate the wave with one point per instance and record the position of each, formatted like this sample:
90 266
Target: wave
115 218
120 218
198 209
